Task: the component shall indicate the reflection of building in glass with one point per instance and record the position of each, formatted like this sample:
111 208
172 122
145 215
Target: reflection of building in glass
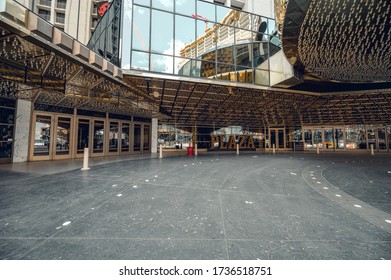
188 38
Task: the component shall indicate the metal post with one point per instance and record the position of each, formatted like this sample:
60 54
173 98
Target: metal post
317 148
274 148
372 150
85 160
160 151
237 149
196 149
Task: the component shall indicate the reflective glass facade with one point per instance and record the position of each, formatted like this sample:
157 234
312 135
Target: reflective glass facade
188 38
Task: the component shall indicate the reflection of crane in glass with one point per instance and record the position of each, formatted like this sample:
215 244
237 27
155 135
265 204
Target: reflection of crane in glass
206 20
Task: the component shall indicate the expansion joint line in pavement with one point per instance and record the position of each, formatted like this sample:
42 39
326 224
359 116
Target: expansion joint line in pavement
313 175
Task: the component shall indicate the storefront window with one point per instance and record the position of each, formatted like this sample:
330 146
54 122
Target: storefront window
355 137
146 138
137 137
125 137
328 139
308 138
381 133
371 135
7 116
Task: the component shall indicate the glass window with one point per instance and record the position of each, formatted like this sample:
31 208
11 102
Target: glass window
99 136
371 133
6 115
140 61
355 137
244 75
42 135
225 72
225 15
272 27
162 63
137 137
146 138
381 132
206 40
63 136
143 2
126 34
167 5
260 56
206 10
328 139
184 36
225 55
140 34
242 35
162 38
83 135
308 139
243 55
317 138
113 137
125 137
225 35
339 138
185 7
208 69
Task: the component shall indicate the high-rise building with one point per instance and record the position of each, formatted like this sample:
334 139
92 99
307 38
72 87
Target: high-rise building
78 18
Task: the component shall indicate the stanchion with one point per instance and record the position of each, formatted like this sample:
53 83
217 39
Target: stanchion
274 148
160 151
372 150
317 148
196 149
85 160
237 149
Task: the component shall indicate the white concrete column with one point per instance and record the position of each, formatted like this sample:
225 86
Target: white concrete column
22 131
154 136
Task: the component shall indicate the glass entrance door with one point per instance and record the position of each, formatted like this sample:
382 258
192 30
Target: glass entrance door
41 149
51 137
63 137
277 138
83 135
99 137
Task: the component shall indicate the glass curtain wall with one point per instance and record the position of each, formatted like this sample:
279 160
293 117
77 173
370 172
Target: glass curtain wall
188 38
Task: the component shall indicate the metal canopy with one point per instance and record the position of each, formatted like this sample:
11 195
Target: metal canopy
187 103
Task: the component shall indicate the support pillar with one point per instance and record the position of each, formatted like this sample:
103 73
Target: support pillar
155 136
22 130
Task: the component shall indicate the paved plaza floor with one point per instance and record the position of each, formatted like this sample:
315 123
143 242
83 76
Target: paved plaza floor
251 206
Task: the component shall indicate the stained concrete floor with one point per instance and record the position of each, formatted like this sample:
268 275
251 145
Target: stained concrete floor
251 206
